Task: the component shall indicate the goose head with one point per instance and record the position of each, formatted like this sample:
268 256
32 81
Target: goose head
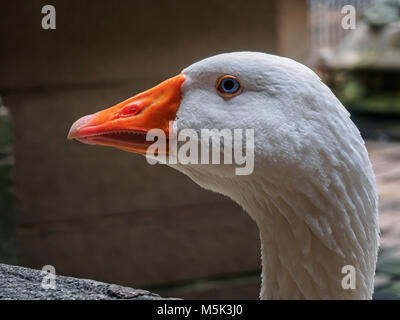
310 188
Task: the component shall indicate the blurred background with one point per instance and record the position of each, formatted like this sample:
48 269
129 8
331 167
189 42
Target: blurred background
107 215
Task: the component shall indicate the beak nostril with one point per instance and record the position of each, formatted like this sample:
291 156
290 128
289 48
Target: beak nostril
128 111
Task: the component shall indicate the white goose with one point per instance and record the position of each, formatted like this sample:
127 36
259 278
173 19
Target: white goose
312 194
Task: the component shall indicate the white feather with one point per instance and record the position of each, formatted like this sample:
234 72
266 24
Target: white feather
312 194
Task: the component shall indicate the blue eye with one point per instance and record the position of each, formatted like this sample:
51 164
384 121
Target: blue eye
228 86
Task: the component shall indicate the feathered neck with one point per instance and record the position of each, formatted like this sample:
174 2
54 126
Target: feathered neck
310 230
313 221
306 244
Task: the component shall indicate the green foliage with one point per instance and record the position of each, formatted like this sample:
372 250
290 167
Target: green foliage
387 279
355 96
382 12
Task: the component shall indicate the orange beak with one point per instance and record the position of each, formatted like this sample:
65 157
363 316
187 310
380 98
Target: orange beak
125 125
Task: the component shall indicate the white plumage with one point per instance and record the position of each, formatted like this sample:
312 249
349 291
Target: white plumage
312 194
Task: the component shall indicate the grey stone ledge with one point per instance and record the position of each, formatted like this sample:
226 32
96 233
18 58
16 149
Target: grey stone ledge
19 283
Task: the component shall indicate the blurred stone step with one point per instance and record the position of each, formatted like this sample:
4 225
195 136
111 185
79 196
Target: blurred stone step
236 287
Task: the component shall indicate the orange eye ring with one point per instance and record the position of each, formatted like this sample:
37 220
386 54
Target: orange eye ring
228 86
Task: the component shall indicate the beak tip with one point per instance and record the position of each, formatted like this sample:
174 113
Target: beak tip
70 136
77 125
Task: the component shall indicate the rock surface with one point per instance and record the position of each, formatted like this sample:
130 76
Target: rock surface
26 284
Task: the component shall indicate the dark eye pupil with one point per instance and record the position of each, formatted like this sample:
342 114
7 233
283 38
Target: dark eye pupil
229 85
